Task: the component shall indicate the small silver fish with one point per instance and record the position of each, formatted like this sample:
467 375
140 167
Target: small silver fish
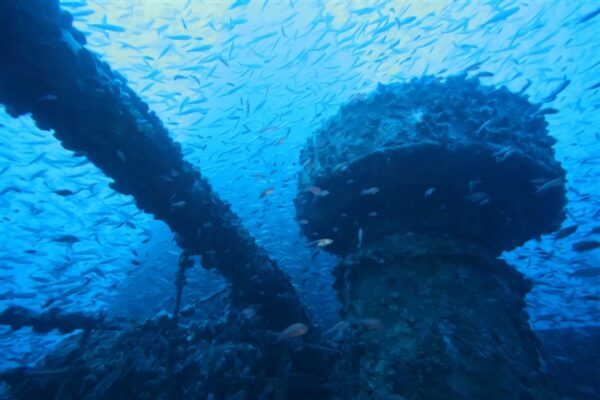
320 243
554 183
69 239
370 191
292 331
479 198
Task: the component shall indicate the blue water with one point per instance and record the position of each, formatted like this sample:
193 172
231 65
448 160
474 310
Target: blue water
242 85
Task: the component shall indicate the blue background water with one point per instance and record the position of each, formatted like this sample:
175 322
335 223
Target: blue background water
242 85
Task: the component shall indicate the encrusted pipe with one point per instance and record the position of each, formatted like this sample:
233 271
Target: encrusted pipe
45 70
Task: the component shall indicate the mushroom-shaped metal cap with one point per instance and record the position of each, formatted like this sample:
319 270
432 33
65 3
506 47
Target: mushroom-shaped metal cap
436 156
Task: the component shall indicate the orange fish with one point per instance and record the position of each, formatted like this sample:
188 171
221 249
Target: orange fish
266 192
292 331
317 191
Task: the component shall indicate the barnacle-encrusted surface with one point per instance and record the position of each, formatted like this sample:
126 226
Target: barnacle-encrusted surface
453 317
448 156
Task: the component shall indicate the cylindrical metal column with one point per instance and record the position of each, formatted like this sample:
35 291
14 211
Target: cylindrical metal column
419 187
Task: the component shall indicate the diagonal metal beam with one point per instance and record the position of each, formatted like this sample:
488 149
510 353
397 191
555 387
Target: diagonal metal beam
45 70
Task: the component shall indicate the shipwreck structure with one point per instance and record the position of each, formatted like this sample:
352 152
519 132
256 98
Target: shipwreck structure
418 187
426 183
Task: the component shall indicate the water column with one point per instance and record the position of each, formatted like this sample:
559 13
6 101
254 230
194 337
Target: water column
421 186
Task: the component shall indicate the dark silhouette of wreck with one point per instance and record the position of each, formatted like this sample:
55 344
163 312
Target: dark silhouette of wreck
445 168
